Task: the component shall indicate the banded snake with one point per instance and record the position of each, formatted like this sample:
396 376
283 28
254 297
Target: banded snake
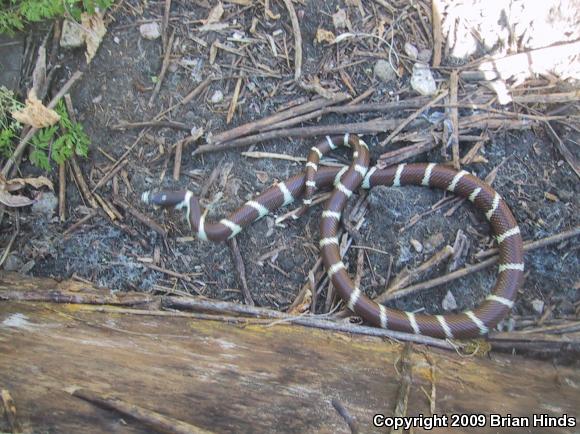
345 181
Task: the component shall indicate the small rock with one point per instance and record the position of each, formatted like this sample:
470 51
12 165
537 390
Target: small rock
150 31
449 302
538 306
384 71
340 20
72 35
417 245
424 55
97 99
13 263
45 205
411 51
422 80
116 40
217 97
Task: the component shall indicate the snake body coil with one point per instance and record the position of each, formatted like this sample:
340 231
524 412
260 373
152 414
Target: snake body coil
345 181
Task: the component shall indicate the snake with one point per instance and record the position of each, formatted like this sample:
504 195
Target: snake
343 182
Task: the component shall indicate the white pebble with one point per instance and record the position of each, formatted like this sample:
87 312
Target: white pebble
150 31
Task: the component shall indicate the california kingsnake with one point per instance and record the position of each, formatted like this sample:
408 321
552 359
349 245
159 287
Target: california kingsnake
469 323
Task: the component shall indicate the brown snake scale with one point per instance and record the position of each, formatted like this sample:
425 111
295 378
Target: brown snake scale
345 181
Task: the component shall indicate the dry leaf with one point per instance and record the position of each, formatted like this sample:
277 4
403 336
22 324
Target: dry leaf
323 35
14 200
215 14
36 114
19 183
95 30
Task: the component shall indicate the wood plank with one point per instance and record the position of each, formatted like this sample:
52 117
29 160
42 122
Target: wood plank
230 378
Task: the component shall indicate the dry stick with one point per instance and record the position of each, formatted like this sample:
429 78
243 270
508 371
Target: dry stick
167 271
222 307
453 83
234 102
531 245
393 157
123 125
297 39
10 163
165 23
462 272
350 420
369 127
408 276
10 411
78 224
240 270
414 116
350 109
164 66
109 175
150 418
406 374
62 191
81 183
177 160
568 156
436 8
140 216
251 127
69 297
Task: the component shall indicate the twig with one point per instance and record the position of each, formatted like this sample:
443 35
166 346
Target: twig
11 162
532 245
402 154
406 277
165 23
62 191
234 102
81 183
436 8
252 127
454 118
69 297
164 66
462 272
109 175
297 39
167 271
222 307
150 418
350 420
240 270
568 156
123 125
78 224
140 216
369 127
177 160
414 116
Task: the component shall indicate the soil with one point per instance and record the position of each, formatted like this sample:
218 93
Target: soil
117 86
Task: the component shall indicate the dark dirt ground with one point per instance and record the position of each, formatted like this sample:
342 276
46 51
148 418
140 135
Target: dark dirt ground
117 87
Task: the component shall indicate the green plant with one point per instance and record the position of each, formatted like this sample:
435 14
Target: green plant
9 128
59 142
14 14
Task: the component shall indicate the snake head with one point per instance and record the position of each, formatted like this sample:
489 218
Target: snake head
183 199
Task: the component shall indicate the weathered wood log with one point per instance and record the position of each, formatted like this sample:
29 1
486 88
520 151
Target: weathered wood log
227 378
